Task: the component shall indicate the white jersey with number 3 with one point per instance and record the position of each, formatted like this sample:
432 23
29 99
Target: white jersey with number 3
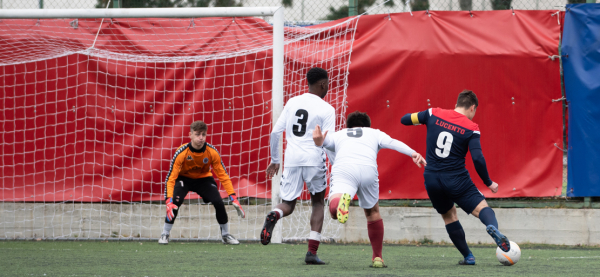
299 118
359 146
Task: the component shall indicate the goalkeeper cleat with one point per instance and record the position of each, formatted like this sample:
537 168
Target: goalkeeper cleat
312 259
378 263
229 239
237 205
164 239
342 209
469 260
267 230
500 239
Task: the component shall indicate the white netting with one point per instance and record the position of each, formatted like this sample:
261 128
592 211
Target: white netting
87 133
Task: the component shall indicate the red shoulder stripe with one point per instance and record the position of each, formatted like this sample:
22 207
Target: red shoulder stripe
455 118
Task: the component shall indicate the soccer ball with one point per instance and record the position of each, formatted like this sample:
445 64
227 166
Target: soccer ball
511 257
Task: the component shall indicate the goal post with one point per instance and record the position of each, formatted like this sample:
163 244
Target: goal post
95 109
277 98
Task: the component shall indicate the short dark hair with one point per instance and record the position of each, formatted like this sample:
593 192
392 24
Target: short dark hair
316 74
198 126
466 99
358 119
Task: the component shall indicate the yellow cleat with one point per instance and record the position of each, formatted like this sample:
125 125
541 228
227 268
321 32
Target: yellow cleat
378 263
342 209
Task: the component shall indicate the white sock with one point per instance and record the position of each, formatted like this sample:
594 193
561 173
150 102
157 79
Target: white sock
315 236
167 228
224 229
279 211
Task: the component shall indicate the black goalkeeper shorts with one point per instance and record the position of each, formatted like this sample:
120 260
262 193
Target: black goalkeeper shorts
205 187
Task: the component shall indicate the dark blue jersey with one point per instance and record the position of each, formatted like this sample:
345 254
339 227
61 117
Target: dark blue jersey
450 135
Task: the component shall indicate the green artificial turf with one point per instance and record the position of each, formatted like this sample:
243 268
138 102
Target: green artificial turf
94 258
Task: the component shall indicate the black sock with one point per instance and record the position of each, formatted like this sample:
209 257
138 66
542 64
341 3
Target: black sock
220 212
488 217
457 235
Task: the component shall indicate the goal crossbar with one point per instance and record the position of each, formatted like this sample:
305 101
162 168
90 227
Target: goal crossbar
137 13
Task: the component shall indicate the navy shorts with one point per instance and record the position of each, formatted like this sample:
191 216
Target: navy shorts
445 189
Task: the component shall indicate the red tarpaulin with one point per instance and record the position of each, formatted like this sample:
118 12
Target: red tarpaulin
417 61
54 152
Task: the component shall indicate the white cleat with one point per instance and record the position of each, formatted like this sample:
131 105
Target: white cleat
229 239
164 239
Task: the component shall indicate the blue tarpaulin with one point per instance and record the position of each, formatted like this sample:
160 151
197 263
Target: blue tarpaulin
581 65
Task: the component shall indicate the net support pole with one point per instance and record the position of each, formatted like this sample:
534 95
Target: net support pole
352 7
277 108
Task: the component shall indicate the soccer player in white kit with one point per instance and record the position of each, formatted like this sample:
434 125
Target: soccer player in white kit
304 161
354 171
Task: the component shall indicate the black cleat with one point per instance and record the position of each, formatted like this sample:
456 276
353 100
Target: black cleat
312 259
267 230
500 239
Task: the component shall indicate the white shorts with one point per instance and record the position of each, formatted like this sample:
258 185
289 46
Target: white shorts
293 179
358 180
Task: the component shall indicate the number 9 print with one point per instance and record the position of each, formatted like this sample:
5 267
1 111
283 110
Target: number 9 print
444 143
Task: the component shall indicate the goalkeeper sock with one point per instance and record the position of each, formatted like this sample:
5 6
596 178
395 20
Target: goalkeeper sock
279 213
167 228
224 229
375 230
313 242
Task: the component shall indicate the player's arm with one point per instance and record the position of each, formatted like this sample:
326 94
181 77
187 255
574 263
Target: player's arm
174 170
329 126
387 142
219 168
278 129
479 161
322 140
416 118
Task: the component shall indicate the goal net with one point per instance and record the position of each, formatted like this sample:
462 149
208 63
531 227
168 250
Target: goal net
93 110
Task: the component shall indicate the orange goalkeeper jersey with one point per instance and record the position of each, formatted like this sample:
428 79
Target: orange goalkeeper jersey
192 163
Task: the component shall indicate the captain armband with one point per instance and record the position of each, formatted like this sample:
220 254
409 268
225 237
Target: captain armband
414 117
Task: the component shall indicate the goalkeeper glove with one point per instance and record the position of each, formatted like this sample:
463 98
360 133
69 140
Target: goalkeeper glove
170 208
237 205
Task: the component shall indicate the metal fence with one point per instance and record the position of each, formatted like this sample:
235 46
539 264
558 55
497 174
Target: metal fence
304 10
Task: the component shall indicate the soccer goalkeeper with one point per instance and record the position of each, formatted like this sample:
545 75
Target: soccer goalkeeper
190 170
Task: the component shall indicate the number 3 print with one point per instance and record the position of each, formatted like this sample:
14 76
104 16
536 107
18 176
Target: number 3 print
302 119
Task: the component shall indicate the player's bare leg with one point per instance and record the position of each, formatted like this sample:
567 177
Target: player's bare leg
450 216
375 230
281 210
316 226
488 218
457 236
286 207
